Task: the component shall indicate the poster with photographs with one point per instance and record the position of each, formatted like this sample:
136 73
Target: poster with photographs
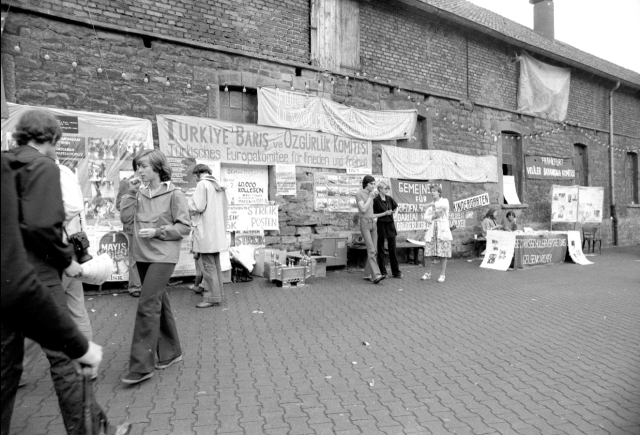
99 148
336 192
564 203
590 204
499 252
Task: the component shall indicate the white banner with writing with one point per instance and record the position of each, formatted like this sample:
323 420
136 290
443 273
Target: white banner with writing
473 202
499 252
300 111
252 217
189 137
428 164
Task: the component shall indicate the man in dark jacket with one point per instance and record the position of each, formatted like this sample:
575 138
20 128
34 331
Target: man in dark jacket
41 216
28 307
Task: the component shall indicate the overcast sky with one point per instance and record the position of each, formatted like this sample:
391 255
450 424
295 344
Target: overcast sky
608 29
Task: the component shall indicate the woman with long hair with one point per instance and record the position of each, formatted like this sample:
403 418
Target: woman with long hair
160 217
438 237
489 222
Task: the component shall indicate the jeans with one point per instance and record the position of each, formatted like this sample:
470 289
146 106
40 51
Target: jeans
134 276
75 302
155 330
370 234
393 259
212 276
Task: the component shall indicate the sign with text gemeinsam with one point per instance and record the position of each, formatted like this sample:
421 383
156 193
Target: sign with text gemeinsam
549 168
412 197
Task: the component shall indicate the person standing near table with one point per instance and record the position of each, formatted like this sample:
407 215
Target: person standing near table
364 201
386 228
160 217
438 237
209 206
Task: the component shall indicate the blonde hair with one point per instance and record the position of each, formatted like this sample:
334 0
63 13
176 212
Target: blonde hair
383 183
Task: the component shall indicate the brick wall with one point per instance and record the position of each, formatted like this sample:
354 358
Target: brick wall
274 28
493 80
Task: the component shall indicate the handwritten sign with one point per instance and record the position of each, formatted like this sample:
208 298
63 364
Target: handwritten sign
473 202
252 217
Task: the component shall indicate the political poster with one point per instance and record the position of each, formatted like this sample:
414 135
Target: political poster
408 163
590 204
539 249
336 192
299 111
549 168
463 219
470 203
564 203
253 217
499 251
412 197
250 144
575 248
246 184
285 180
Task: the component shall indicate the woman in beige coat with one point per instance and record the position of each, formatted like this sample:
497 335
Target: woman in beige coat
209 208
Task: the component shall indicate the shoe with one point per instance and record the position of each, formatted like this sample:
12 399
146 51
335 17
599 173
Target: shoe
399 276
135 378
366 278
135 293
426 276
164 364
207 304
379 278
441 279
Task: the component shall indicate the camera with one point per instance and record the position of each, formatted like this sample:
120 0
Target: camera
80 244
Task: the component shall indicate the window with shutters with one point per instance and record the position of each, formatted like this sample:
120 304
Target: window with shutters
335 35
631 178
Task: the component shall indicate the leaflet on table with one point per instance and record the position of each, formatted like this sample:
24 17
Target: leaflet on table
499 251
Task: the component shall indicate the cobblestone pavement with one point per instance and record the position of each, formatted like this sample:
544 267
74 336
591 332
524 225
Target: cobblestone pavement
548 350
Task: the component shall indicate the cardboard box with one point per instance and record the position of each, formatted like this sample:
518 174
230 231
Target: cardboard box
263 256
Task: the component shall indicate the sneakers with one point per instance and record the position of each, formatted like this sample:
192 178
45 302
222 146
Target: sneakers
399 276
207 304
135 293
379 278
426 276
441 279
161 365
135 378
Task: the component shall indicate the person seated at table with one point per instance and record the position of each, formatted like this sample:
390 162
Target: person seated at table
489 222
509 222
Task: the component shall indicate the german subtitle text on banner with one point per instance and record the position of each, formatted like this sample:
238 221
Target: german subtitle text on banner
252 217
415 164
499 252
209 139
299 111
412 197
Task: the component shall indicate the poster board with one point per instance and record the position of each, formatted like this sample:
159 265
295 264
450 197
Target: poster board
577 204
285 180
499 252
99 148
246 184
412 197
334 192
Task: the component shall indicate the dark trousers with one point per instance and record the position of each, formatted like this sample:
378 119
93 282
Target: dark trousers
393 259
155 330
64 373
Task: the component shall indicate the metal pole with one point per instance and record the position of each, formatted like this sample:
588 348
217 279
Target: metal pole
614 213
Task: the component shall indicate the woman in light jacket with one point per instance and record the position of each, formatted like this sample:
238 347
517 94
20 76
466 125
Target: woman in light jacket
160 218
438 237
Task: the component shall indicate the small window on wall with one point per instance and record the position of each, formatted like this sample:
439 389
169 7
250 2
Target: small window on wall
631 177
419 139
581 163
512 162
238 106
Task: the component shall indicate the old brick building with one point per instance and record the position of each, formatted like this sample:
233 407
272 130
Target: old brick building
449 59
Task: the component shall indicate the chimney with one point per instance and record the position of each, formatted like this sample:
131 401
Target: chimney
543 18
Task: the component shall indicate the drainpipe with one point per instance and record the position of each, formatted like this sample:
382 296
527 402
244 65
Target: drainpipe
614 212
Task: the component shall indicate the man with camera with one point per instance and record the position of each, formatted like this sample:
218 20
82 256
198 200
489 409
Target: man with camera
42 216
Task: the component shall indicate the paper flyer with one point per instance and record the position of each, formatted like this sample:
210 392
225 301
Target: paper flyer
499 252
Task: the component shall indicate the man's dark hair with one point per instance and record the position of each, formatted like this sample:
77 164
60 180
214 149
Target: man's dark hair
511 213
38 126
201 168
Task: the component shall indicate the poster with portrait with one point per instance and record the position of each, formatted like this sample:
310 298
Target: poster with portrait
499 252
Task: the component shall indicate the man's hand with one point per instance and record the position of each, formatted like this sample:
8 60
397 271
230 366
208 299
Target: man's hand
92 358
73 270
147 233
373 194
